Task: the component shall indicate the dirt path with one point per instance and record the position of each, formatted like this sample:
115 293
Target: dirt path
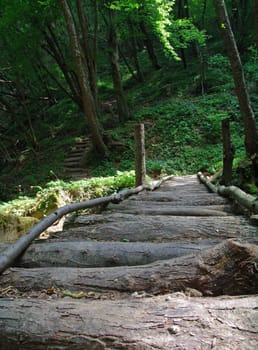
138 276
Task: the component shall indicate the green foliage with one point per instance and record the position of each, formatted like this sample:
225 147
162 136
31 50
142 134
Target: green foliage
158 14
219 77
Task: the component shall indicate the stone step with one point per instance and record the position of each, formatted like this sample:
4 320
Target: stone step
72 160
76 152
75 169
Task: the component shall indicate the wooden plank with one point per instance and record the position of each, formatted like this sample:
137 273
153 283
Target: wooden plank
142 228
104 254
162 322
227 268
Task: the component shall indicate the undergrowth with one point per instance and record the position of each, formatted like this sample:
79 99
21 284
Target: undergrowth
60 192
182 132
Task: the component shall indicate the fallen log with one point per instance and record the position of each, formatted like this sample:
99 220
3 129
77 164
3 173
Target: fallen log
104 254
228 268
162 322
142 228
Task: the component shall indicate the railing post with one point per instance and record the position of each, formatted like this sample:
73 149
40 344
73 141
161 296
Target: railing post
140 164
228 153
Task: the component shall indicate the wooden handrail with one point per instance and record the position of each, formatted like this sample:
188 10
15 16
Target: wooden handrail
15 250
244 199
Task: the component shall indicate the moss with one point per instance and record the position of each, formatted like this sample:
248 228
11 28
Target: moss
46 204
25 223
7 221
12 227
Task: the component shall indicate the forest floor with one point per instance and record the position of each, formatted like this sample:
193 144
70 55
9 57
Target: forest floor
169 269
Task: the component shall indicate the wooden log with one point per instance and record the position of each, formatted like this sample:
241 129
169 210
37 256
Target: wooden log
162 322
246 200
228 268
182 199
142 228
104 254
171 185
207 183
164 208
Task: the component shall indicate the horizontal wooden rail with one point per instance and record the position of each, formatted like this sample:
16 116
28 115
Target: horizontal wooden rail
246 200
15 250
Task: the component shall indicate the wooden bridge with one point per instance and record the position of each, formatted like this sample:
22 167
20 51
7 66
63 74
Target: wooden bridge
174 268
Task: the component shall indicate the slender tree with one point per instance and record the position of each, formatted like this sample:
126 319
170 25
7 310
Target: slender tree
89 106
89 55
255 11
122 107
251 138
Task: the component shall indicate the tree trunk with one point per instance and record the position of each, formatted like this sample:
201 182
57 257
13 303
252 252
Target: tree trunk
122 108
53 48
228 153
82 73
139 74
91 65
149 46
162 322
103 254
256 22
251 138
228 268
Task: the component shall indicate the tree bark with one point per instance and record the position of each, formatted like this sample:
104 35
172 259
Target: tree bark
82 73
228 268
161 322
251 138
103 254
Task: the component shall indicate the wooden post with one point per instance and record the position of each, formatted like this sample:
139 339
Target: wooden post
228 153
140 165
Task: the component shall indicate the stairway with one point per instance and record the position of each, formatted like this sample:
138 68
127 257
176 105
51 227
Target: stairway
166 269
73 168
